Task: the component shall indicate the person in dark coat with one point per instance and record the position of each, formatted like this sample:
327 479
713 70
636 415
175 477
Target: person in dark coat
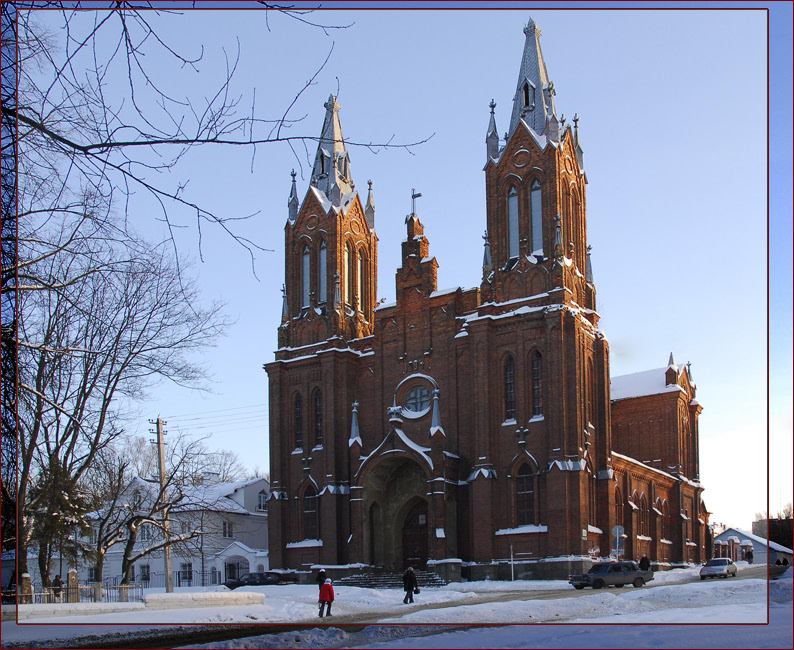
410 585
326 597
321 577
645 563
749 556
57 585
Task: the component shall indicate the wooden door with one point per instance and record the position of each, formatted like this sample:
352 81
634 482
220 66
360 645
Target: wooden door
415 536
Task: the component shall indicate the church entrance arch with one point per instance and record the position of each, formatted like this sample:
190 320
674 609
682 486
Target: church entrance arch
396 511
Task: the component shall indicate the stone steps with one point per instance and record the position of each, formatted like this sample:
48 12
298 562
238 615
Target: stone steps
390 580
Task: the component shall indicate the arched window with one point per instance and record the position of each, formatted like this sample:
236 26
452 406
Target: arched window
311 526
261 501
298 413
348 275
510 389
665 521
528 94
644 516
362 276
591 499
525 496
512 222
618 506
322 272
537 384
318 417
590 391
305 276
536 205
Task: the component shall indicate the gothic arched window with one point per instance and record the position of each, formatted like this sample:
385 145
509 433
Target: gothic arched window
590 391
644 516
536 205
510 388
362 276
305 276
298 421
311 527
318 417
537 384
528 94
591 499
525 496
618 505
512 222
665 521
348 275
322 272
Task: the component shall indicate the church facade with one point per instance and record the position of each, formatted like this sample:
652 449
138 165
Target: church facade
473 431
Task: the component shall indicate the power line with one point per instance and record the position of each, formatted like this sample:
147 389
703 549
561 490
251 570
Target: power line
225 423
208 418
234 408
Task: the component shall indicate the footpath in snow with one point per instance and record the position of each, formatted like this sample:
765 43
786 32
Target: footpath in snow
713 601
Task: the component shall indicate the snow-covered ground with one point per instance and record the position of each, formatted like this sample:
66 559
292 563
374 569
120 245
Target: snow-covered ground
713 601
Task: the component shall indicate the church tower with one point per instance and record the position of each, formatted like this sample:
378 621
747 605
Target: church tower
536 239
330 249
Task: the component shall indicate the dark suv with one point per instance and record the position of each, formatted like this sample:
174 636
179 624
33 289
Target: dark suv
259 579
605 574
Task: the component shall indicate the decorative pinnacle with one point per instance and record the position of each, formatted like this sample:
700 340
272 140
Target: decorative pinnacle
485 236
492 106
562 120
293 174
369 182
576 120
589 248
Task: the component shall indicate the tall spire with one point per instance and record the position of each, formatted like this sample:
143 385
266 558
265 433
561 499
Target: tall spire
331 171
284 308
534 98
355 435
292 204
369 211
487 264
492 137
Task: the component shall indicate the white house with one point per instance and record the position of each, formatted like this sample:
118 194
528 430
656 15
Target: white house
231 519
734 543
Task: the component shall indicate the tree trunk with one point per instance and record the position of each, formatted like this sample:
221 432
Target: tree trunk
126 565
44 564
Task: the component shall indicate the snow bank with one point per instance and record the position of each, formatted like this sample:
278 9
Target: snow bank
202 599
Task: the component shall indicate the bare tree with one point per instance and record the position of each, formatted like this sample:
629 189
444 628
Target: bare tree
91 349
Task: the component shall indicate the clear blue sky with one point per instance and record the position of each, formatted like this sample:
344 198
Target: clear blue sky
673 125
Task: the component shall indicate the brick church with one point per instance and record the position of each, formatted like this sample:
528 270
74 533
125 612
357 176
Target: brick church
455 430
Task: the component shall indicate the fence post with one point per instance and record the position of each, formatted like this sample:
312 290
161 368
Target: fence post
72 588
26 590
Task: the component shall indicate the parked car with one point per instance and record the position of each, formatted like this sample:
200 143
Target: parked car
605 574
259 579
718 567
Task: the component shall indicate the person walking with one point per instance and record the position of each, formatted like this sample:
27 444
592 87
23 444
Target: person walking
645 563
326 597
410 585
321 576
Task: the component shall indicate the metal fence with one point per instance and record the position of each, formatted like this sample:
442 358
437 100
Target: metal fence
95 593
181 579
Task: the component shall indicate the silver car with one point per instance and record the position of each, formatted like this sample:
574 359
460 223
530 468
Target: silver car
718 567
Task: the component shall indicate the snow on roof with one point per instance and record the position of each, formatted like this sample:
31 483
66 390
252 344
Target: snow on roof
441 292
637 384
214 496
773 545
320 195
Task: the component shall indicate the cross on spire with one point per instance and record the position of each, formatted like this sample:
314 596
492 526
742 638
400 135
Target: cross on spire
414 195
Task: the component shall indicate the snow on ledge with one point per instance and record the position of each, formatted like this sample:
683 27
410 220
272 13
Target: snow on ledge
306 543
449 560
643 538
594 529
665 541
522 530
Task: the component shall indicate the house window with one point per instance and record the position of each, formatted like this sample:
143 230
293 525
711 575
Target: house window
322 271
228 529
145 574
261 501
348 275
537 384
145 533
417 399
184 527
298 421
512 222
510 389
306 276
185 574
92 535
525 496
318 417
310 521
92 574
535 203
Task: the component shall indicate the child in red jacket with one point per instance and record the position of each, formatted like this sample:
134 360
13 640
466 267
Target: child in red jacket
326 596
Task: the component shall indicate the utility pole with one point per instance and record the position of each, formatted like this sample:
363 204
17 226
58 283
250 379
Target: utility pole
160 442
